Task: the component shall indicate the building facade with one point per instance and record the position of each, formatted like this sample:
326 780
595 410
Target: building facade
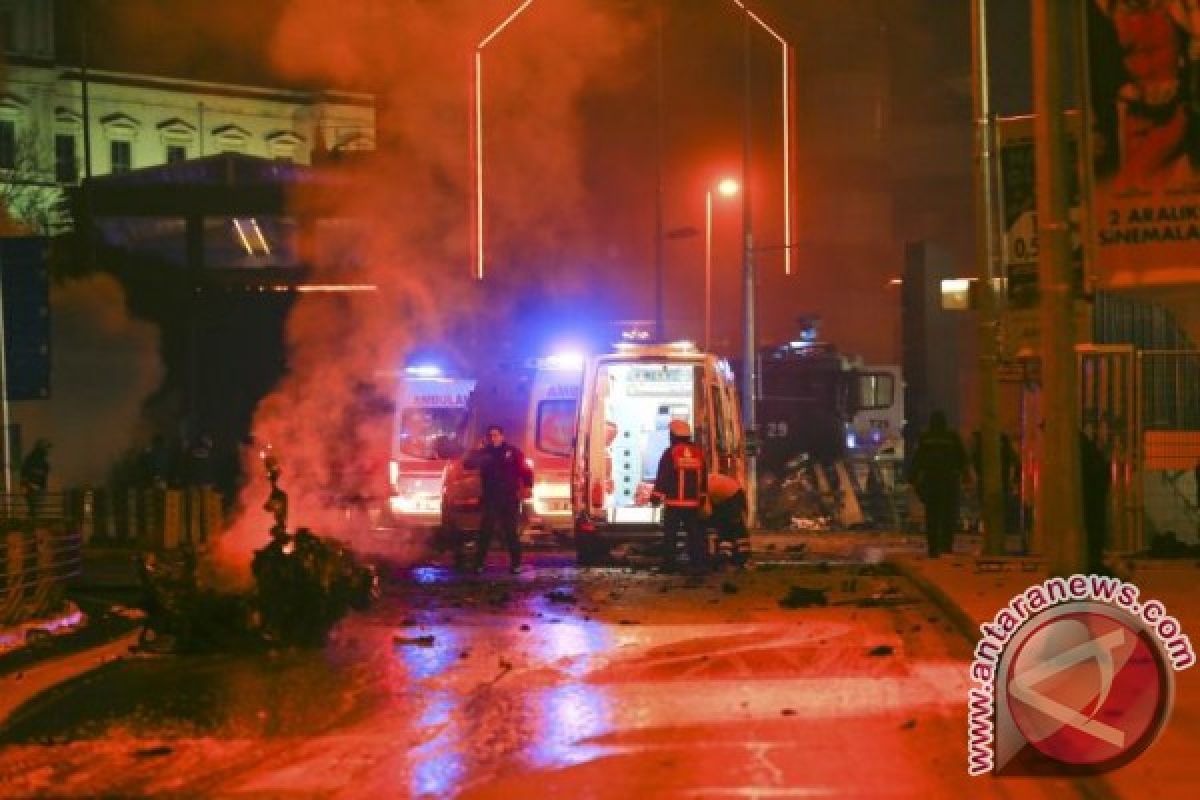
60 123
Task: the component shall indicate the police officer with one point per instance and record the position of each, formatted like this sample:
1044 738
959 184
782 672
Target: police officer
938 468
681 486
506 479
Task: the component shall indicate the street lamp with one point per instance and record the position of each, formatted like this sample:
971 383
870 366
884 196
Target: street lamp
477 135
726 187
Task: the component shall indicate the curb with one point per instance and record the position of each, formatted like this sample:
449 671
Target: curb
19 688
961 621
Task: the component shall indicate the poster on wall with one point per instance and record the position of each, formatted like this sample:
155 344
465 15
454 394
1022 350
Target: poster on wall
1144 66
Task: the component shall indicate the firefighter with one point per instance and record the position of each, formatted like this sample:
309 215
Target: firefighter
506 479
727 516
939 467
681 486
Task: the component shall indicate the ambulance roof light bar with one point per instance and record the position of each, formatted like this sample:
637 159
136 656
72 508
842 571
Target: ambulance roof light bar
424 371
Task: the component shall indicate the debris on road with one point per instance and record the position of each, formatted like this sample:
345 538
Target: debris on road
420 641
804 597
153 752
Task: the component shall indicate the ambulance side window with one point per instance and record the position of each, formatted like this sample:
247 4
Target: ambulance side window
735 439
720 421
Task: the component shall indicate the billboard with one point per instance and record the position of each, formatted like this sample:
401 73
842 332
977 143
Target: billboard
25 283
1144 67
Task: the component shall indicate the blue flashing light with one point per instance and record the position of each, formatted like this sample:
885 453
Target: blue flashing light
566 360
424 371
851 440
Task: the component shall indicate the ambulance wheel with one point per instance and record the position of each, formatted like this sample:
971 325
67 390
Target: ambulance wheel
589 553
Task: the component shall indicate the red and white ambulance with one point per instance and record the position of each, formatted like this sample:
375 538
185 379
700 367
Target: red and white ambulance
429 432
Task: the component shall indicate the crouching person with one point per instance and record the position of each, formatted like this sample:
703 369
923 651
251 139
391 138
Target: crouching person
680 488
728 517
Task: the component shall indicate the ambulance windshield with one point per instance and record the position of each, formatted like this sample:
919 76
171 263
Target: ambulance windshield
429 433
556 426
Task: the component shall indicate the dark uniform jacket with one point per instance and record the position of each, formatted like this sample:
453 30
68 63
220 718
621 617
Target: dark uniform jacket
503 474
940 462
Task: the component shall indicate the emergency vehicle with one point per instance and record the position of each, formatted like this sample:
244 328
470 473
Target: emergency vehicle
549 443
627 403
429 431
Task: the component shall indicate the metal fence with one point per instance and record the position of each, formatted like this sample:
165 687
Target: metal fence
147 518
41 550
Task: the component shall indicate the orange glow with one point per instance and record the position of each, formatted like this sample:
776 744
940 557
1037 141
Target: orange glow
336 287
728 187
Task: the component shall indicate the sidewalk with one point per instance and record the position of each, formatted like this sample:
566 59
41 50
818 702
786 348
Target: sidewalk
970 597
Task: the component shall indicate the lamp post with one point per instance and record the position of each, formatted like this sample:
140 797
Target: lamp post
477 138
726 187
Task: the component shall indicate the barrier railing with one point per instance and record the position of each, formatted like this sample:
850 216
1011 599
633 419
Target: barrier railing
147 518
40 551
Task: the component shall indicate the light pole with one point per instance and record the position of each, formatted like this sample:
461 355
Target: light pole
477 138
726 187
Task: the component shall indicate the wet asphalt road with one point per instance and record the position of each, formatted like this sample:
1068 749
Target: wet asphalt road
601 683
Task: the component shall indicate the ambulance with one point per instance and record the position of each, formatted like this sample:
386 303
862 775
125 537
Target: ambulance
628 400
549 444
429 432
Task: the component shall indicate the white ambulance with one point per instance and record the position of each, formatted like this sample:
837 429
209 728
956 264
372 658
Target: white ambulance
550 442
629 399
429 432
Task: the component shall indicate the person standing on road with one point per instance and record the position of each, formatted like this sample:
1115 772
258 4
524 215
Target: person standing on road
681 485
506 479
939 467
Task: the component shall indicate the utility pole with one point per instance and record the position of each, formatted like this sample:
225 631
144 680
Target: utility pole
991 481
750 345
1059 517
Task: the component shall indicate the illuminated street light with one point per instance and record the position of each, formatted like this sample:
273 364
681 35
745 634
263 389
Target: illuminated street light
726 187
787 133
477 133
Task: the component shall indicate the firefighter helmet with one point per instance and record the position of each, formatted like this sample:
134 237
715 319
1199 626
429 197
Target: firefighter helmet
681 429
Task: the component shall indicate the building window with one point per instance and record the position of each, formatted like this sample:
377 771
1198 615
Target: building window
121 155
176 153
66 165
8 30
8 144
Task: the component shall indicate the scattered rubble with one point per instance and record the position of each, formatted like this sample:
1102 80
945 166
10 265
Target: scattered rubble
804 597
426 640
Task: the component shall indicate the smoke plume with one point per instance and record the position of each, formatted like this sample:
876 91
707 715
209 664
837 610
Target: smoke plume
410 203
103 366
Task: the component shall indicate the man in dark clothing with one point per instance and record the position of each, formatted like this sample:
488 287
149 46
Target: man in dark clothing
681 486
1094 480
35 475
938 467
506 479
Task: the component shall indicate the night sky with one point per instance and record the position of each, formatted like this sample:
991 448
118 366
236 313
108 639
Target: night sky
882 134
